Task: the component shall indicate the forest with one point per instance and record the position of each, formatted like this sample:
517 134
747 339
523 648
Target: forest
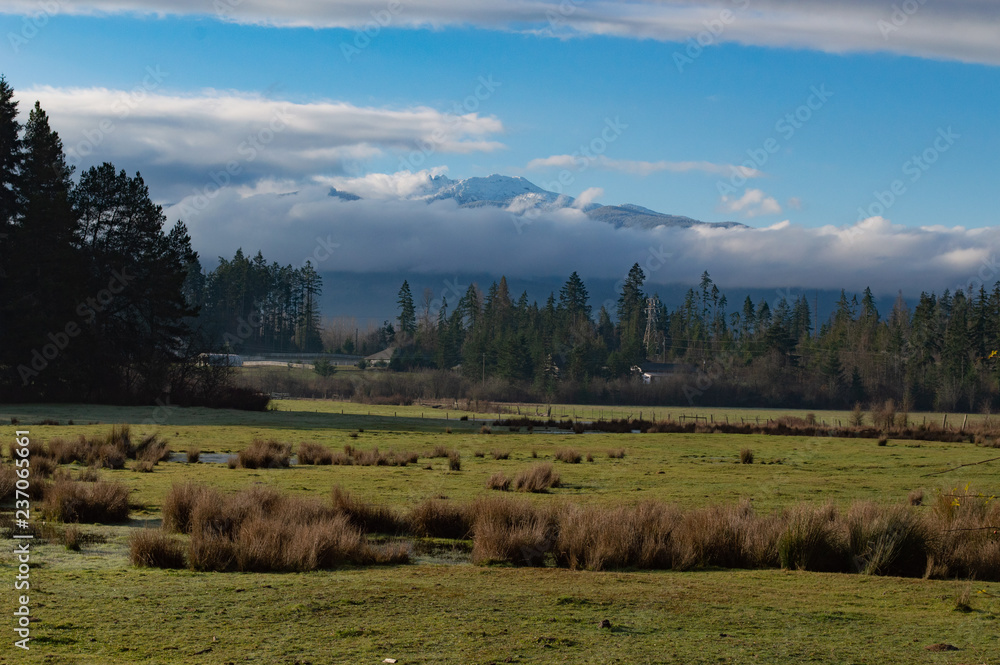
942 354
101 301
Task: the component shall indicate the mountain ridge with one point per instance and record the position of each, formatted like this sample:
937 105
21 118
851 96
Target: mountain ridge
519 195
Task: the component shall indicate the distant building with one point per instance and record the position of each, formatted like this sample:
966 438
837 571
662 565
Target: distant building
385 355
222 359
652 372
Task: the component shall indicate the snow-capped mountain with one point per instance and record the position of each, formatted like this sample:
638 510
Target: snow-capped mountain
519 195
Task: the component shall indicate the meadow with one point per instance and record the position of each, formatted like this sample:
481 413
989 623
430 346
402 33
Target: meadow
93 606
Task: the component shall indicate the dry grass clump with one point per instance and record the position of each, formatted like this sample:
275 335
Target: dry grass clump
193 455
260 530
440 451
811 540
369 518
72 501
179 504
500 454
511 531
434 518
71 538
149 548
454 461
261 454
615 538
746 456
315 453
539 478
887 540
498 481
485 429
915 498
569 456
8 482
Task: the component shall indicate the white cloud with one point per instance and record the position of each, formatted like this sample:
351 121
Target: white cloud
215 137
399 185
643 168
955 29
753 203
588 196
395 235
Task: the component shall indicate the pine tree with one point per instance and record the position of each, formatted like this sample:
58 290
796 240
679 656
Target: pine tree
407 313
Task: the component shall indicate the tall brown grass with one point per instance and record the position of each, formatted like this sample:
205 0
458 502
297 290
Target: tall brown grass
539 478
261 454
260 530
152 548
315 453
435 518
569 456
511 531
72 501
498 481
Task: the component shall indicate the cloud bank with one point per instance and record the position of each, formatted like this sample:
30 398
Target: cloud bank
214 138
399 235
962 30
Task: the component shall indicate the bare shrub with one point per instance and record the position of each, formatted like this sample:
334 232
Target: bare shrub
857 418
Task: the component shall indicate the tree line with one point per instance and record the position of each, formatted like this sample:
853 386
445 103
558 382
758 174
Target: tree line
941 355
101 301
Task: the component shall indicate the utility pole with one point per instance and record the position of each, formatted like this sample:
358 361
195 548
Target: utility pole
650 321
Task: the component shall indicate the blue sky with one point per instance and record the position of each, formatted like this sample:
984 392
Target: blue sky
685 122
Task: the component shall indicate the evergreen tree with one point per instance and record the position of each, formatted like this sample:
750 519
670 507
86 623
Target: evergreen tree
407 313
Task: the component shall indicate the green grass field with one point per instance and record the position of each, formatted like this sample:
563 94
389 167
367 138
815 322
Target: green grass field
92 606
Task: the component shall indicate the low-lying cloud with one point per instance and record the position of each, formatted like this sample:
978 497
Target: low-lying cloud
398 235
